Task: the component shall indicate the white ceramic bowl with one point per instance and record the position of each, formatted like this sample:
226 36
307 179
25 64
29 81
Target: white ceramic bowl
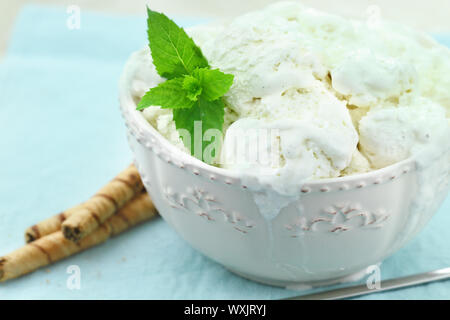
342 226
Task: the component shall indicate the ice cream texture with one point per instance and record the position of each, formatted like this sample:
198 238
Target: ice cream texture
337 96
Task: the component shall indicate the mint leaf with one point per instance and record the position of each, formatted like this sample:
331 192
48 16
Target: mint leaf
169 94
192 90
209 114
174 52
214 82
193 87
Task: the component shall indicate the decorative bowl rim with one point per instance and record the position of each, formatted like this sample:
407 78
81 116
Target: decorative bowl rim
147 135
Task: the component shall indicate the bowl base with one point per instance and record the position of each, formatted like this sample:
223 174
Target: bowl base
301 286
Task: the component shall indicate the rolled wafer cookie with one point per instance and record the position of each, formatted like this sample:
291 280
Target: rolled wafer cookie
93 212
55 246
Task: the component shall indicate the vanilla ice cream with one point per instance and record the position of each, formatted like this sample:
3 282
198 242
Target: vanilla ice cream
327 96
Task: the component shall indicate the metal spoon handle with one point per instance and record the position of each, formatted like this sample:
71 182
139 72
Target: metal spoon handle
386 285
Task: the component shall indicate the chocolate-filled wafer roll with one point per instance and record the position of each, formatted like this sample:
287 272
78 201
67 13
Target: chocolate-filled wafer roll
93 212
55 246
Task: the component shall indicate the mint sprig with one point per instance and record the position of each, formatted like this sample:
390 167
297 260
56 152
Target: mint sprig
214 82
193 90
174 53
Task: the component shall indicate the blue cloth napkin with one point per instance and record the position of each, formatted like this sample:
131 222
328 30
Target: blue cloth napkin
62 138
